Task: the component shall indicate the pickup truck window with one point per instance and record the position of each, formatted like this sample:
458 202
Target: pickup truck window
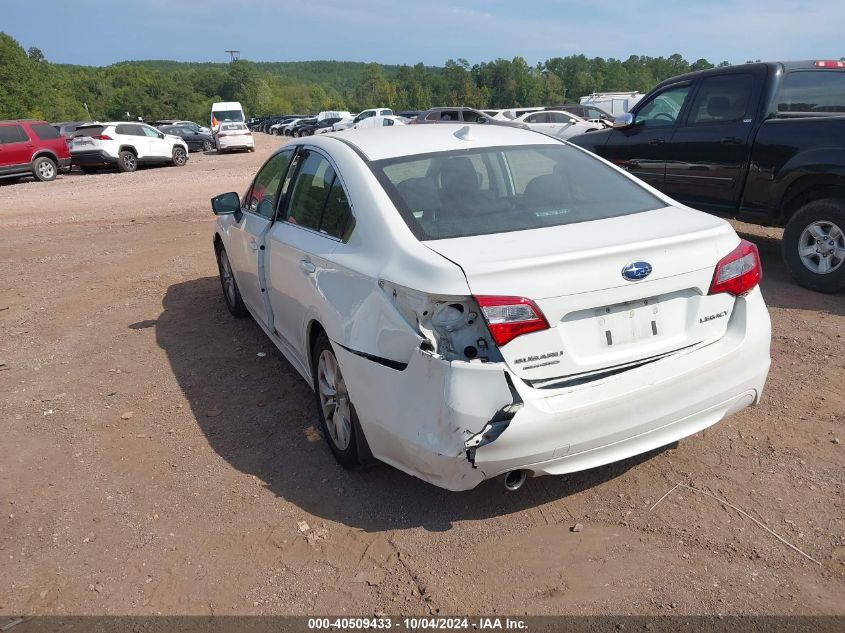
663 108
721 99
812 91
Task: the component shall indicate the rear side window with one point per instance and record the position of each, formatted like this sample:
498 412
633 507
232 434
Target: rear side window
812 91
12 134
129 130
498 190
721 99
45 132
318 201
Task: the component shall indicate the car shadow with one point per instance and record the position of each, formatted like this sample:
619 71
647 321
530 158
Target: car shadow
780 290
259 415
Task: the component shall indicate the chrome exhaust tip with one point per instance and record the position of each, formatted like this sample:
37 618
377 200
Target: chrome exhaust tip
514 479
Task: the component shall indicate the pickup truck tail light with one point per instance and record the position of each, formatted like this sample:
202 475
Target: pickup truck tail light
737 272
509 317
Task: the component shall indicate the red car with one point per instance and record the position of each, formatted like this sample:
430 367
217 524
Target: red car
32 148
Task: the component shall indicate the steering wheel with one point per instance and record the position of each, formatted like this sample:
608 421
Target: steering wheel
665 114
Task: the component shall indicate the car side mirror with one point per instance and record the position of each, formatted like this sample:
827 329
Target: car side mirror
623 121
160 135
226 204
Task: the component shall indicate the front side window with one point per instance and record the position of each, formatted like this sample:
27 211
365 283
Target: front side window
812 91
148 131
721 99
560 117
473 117
12 134
498 190
261 199
387 122
663 109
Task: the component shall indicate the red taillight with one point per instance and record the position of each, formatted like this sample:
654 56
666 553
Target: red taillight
738 271
830 63
102 137
509 317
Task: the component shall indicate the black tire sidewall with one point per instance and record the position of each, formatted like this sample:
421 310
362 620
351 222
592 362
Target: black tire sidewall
238 310
347 458
830 210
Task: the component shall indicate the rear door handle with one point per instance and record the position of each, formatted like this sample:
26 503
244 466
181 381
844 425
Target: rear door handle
731 140
307 266
656 141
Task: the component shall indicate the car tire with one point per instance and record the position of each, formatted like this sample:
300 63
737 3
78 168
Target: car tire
179 157
231 292
332 399
207 146
814 245
44 169
127 162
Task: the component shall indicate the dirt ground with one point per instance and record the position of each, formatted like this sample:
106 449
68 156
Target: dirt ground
153 462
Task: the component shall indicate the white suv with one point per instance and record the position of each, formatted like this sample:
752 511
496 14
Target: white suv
126 145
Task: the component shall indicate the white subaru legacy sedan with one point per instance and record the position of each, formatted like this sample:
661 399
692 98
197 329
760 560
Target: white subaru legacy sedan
475 301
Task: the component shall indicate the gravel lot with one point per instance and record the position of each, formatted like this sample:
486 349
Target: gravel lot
152 462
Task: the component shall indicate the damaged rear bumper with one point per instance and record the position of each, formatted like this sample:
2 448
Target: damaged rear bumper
457 423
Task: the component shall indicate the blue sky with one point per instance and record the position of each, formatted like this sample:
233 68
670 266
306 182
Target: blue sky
99 33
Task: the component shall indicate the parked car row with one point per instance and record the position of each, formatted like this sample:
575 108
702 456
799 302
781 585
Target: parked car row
558 122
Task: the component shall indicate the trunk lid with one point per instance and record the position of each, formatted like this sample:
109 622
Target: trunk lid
598 320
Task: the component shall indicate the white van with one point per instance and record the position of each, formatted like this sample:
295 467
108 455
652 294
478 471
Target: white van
230 111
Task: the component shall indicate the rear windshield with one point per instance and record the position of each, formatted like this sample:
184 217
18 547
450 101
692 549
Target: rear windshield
228 115
233 126
497 190
812 91
45 132
89 130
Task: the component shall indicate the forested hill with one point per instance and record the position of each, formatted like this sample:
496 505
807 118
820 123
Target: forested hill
31 86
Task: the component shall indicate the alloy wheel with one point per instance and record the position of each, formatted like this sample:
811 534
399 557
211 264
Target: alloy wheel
334 400
46 170
822 247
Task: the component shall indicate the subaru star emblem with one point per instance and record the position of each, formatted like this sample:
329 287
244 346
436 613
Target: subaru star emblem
636 271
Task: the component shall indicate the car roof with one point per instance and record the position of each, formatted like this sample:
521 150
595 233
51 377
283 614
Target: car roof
407 140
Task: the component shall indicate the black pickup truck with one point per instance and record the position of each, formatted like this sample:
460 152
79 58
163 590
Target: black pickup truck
763 143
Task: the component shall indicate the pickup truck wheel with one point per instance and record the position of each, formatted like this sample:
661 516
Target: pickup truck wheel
44 169
127 161
231 292
180 157
337 415
814 245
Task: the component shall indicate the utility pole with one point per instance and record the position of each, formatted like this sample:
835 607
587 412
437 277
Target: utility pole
234 55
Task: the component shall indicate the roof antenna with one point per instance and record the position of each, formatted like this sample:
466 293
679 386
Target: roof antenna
465 133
